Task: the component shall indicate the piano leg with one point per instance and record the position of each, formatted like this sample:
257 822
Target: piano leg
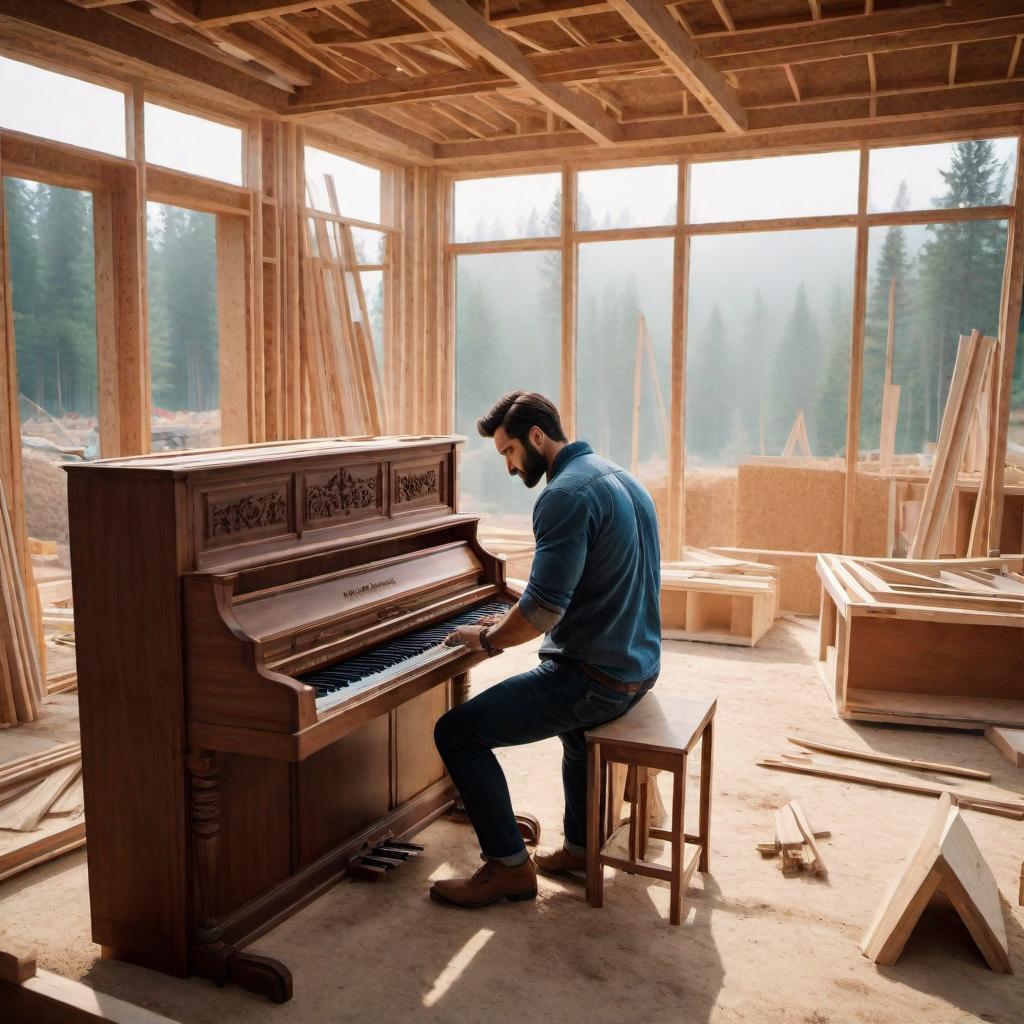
209 956
460 688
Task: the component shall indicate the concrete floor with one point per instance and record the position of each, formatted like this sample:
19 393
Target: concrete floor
754 946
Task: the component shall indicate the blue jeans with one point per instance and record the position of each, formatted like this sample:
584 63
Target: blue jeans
557 698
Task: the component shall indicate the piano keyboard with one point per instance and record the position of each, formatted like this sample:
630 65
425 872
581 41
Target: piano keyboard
339 682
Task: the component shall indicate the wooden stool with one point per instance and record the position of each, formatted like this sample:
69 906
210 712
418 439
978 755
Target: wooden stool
659 732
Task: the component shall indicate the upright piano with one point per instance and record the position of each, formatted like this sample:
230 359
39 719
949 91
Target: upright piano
260 667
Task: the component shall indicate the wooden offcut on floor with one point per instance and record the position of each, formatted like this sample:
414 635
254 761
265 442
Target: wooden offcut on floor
754 945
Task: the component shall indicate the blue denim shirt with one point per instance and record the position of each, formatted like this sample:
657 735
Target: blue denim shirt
596 576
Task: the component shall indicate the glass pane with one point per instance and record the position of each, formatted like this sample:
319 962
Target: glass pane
948 174
936 282
627 197
768 350
193 144
810 185
524 206
507 336
369 245
625 341
373 290
183 343
356 185
52 267
59 107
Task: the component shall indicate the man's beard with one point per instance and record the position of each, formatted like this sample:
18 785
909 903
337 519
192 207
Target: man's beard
536 465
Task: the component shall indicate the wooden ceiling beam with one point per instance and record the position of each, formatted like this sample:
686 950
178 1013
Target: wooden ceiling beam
657 28
227 12
99 32
474 32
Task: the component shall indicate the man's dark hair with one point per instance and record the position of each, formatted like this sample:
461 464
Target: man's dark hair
518 412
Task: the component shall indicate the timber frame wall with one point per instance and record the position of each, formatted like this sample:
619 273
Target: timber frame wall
259 225
682 232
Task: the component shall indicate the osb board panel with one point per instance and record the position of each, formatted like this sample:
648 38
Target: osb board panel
796 508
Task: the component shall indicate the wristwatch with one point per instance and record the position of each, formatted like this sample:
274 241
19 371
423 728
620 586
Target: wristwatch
486 644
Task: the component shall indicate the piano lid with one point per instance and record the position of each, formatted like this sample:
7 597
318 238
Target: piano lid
322 605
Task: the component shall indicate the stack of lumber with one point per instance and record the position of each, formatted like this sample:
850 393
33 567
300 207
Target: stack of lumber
945 864
22 686
916 776
41 808
971 388
794 843
923 642
799 587
718 599
344 379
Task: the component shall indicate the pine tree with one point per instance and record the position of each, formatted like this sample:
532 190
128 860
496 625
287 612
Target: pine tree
752 352
829 437
22 207
960 280
710 372
794 374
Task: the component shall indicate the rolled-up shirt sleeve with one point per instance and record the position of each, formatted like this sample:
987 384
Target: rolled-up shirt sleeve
560 527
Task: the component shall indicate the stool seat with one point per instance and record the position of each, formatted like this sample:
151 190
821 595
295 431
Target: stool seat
656 733
669 725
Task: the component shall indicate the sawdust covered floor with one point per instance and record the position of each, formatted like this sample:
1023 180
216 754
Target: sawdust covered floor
754 946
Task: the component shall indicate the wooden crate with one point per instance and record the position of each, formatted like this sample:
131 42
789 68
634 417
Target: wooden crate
716 599
932 643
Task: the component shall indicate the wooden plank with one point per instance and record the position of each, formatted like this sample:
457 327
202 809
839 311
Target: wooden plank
817 861
947 861
1009 743
16 965
1004 808
497 49
656 27
787 830
24 813
63 839
905 762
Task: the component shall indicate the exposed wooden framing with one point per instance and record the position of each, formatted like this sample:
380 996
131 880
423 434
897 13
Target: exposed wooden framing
680 316
723 12
570 296
667 39
860 291
1013 282
474 32
227 12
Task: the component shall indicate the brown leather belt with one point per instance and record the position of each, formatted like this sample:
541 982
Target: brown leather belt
611 682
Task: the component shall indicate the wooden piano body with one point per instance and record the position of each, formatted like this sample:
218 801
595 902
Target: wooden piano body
221 792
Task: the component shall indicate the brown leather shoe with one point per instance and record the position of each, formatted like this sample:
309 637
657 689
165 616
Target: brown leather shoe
559 862
494 881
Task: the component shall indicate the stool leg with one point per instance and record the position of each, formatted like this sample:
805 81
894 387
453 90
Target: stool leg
642 809
678 842
704 826
595 785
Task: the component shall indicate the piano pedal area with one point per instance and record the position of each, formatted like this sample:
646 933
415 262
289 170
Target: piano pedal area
377 860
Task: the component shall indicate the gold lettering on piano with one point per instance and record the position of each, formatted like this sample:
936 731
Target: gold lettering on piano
341 495
367 588
252 512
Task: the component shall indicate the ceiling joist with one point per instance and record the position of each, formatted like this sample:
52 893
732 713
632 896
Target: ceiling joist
656 27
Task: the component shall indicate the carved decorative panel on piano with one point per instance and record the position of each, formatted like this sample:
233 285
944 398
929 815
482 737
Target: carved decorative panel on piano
260 668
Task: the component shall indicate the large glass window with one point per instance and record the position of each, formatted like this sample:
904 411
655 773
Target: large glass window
623 355
524 206
183 328
783 186
55 106
52 266
507 336
193 144
942 175
357 186
627 197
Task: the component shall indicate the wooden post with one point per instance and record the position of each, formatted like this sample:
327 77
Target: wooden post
634 458
570 283
676 533
1009 322
860 291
